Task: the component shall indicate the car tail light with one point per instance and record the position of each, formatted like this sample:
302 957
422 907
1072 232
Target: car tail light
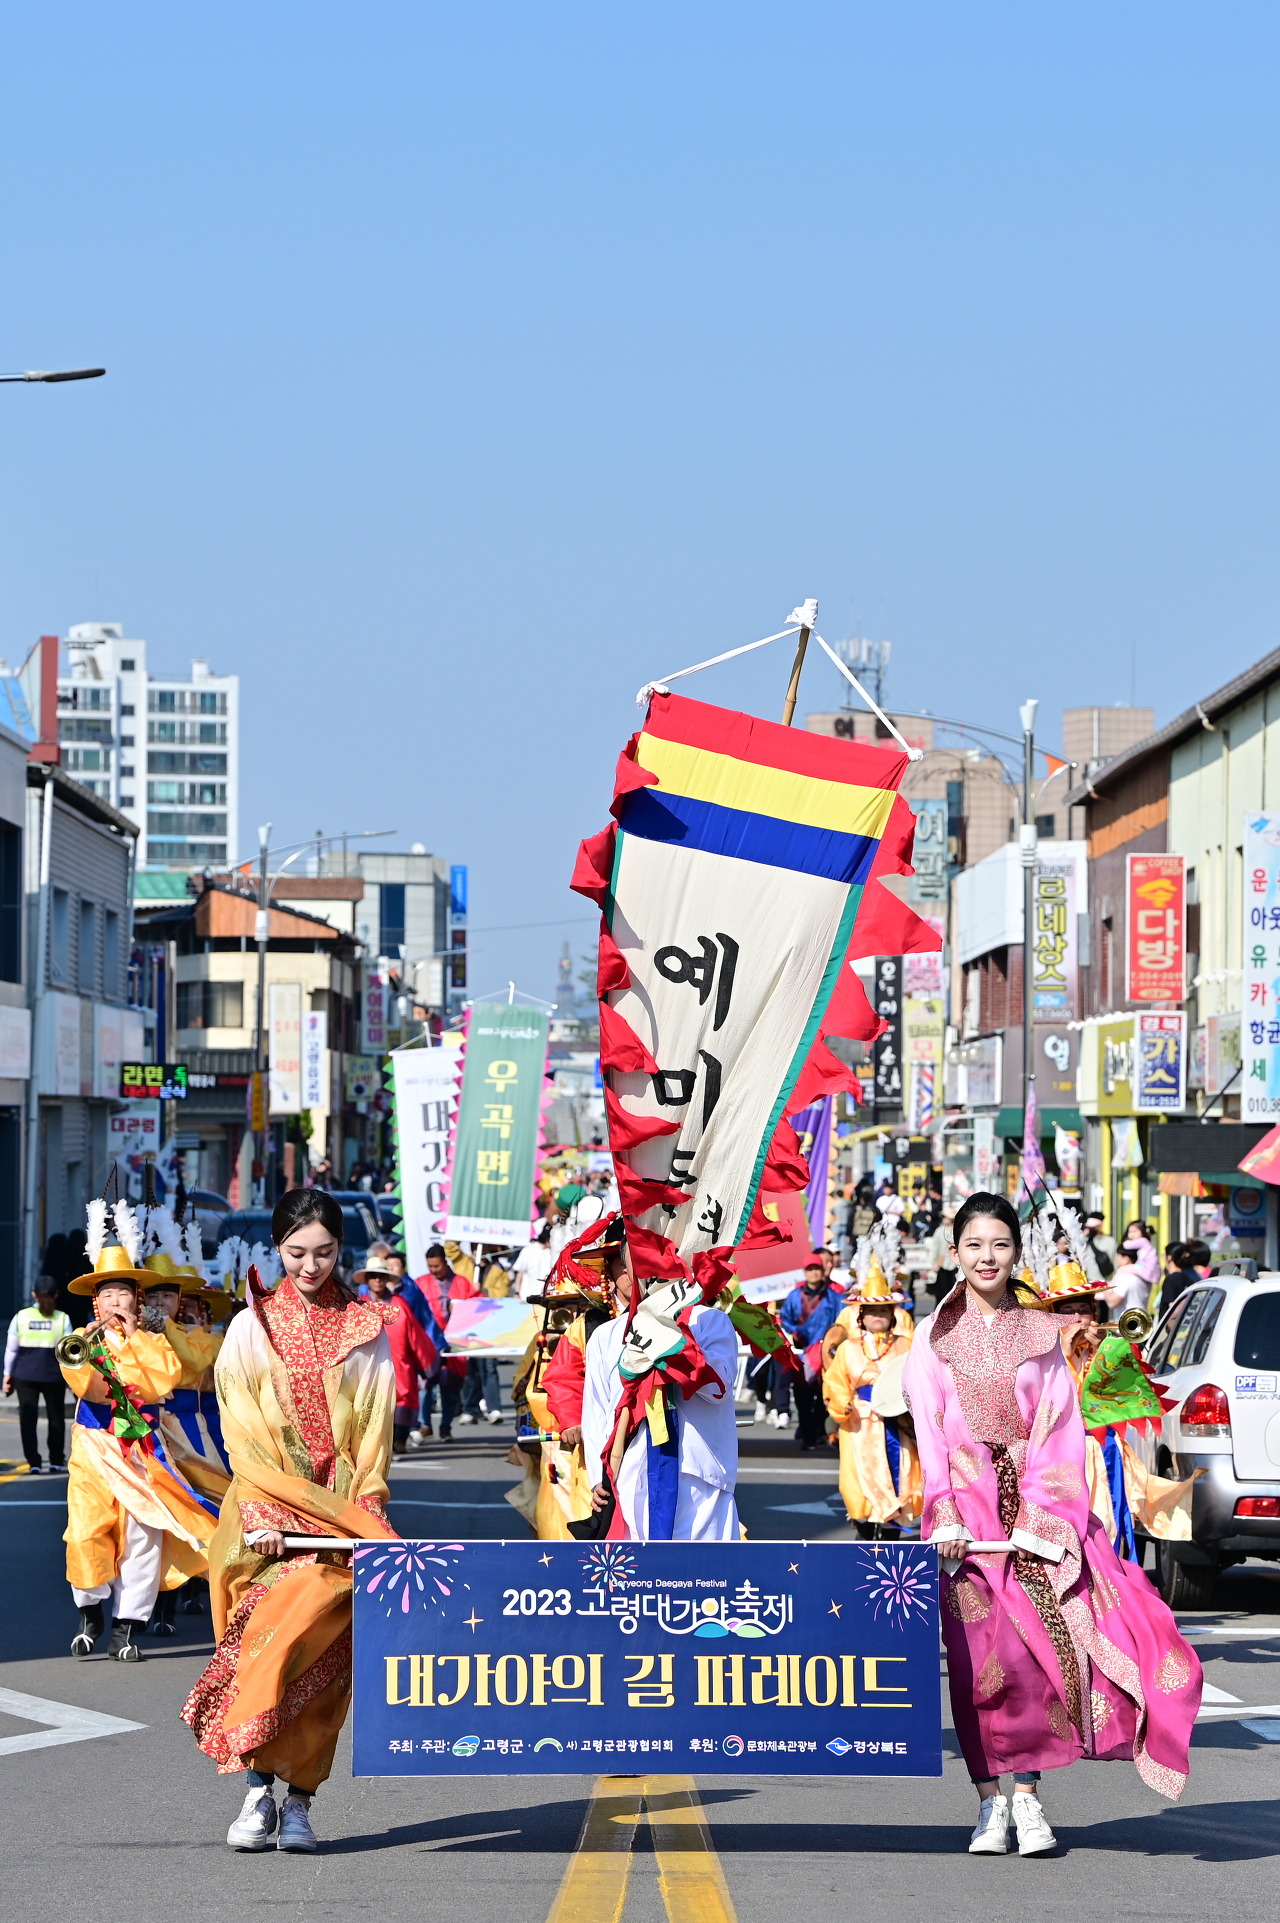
1205 1412
1258 1506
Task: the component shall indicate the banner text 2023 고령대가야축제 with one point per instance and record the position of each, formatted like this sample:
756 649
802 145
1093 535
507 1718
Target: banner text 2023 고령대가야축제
537 1658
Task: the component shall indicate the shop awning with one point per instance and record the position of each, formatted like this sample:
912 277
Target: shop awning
1009 1121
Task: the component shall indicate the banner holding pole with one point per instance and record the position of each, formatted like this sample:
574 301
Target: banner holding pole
425 1088
495 1144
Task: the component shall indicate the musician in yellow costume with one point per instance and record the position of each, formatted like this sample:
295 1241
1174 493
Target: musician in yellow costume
578 1297
134 1525
880 1476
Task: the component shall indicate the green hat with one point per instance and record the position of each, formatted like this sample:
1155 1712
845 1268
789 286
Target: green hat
568 1195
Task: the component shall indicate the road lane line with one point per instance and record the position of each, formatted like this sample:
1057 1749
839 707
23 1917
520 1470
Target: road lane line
689 1873
594 1886
65 1722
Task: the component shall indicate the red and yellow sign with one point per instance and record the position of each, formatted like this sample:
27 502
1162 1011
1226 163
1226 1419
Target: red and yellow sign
1157 918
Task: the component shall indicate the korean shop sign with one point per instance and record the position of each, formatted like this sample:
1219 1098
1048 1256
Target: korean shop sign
1053 941
153 1081
1160 1064
1115 1045
495 1146
1157 926
1260 1017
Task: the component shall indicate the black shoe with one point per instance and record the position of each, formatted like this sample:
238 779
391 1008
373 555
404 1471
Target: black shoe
34 1469
162 1623
446 1435
193 1594
123 1647
91 1627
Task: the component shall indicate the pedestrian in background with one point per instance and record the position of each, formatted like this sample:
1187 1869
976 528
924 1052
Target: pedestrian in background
806 1315
31 1368
1178 1275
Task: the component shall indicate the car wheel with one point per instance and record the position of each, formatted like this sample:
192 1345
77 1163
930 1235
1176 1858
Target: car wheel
1184 1585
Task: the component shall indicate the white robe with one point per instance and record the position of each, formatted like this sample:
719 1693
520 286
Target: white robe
706 1434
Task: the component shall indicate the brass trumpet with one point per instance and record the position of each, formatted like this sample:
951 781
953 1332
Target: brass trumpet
75 1349
1135 1325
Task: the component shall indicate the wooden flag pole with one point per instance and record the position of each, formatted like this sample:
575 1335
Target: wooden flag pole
807 614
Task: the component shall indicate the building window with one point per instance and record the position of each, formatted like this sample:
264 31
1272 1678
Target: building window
10 903
126 741
110 953
88 951
60 936
162 701
164 790
126 707
126 667
391 918
162 731
208 704
1045 826
210 1005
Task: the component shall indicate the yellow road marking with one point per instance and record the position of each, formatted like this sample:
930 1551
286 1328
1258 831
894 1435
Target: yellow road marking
689 1873
594 1886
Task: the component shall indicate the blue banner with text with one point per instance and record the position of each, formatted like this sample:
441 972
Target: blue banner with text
547 1658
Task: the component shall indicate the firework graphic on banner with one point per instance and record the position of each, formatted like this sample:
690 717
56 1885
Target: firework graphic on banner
412 1575
897 1586
610 1566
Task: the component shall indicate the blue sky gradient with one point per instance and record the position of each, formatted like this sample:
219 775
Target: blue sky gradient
470 366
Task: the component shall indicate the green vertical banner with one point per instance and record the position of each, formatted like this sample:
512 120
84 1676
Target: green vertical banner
495 1143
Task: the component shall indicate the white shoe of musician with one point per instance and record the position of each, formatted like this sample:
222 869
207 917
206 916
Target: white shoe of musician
296 1832
255 1826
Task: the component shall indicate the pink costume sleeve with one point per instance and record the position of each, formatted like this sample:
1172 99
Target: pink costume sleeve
927 1387
1054 1509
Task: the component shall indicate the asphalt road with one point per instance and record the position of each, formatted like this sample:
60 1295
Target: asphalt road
132 1823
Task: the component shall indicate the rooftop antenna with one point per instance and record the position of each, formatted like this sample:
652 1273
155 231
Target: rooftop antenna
869 659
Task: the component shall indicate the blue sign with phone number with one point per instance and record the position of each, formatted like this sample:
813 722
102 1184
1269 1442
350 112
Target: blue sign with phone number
546 1658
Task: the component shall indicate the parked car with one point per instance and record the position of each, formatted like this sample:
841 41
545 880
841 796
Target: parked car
359 1229
384 1208
1217 1350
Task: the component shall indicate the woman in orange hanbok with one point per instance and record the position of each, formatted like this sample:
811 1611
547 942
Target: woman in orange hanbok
306 1385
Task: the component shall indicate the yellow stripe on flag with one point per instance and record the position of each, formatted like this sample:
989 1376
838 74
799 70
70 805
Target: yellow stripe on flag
701 775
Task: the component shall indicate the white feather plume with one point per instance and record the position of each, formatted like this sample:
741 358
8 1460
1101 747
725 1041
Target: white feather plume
129 1230
267 1263
167 1235
195 1250
95 1229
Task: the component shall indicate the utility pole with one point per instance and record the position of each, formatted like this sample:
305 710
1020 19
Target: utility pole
1027 715
261 925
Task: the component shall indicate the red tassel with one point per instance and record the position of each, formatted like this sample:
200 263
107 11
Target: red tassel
784 1166
612 973
762 1233
594 867
628 776
621 1047
654 1254
628 1131
638 1194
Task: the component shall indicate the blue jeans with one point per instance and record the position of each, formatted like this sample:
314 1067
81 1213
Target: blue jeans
450 1397
482 1380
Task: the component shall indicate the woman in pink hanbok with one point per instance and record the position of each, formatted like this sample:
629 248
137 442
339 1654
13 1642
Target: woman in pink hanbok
1055 1649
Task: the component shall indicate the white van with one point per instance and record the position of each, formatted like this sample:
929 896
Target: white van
1217 1350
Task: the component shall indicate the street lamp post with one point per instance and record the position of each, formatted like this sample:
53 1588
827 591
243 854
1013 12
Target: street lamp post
1027 715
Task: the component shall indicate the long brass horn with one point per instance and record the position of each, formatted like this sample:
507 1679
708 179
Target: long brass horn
1135 1325
75 1349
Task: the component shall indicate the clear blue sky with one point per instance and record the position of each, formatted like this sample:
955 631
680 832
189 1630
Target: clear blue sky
470 365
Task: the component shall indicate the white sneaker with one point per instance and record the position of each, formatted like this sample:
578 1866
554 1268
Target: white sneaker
761 1414
991 1837
296 1832
464 1418
494 1415
1035 1838
255 1826
784 1420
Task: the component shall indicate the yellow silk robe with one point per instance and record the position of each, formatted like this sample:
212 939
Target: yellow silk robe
866 1482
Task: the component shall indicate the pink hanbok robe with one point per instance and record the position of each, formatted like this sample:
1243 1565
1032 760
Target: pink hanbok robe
1048 1660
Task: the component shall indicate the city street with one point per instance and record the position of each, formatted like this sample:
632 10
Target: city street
134 1819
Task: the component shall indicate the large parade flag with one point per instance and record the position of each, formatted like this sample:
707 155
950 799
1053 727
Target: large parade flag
741 879
425 1091
498 1128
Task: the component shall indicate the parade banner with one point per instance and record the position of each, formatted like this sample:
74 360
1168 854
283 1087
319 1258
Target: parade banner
813 1126
1260 1025
553 1658
491 1325
1157 924
425 1092
495 1142
740 883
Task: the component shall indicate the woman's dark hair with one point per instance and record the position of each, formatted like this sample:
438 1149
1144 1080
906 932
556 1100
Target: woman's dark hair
997 1205
298 1207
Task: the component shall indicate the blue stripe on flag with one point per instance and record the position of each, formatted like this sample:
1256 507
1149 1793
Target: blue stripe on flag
655 814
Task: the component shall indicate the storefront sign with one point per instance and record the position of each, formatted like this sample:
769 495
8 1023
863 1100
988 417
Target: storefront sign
133 1133
152 1082
1160 1064
1260 1031
1157 924
975 1072
1222 1053
373 1015
1115 1046
284 1004
496 1137
886 1052
315 1062
546 1658
1053 952
929 857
